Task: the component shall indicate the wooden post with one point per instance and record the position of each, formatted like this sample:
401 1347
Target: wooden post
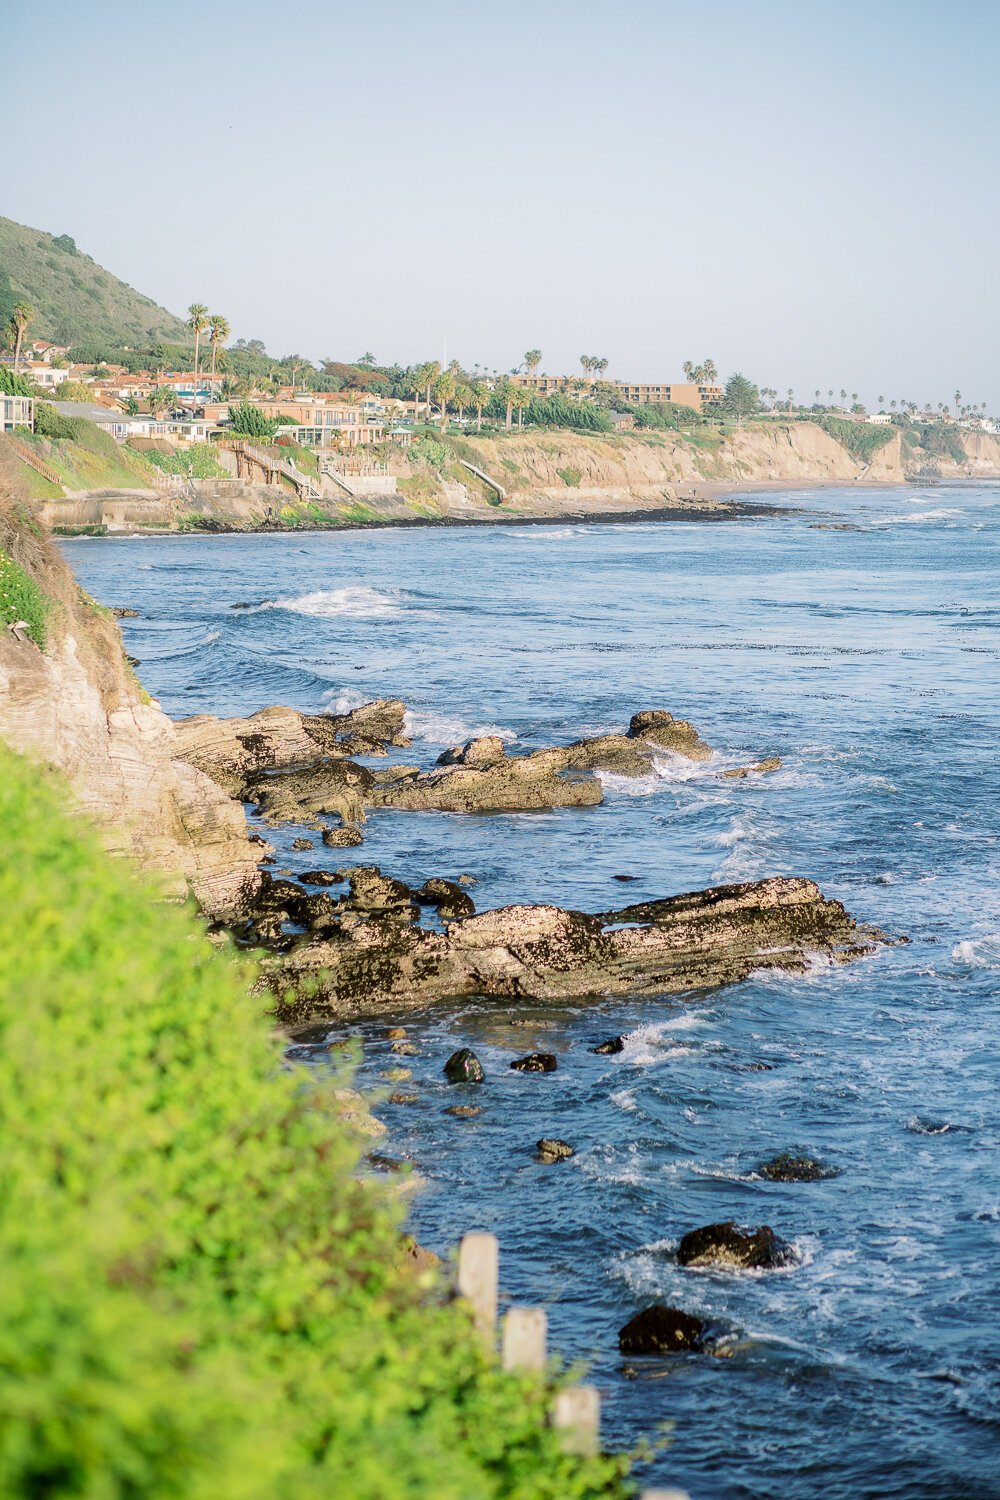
577 1414
524 1331
478 1278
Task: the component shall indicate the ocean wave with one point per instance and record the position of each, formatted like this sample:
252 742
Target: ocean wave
355 602
446 729
655 1041
978 953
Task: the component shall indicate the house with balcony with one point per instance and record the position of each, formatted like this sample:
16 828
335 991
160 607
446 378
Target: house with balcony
17 412
326 423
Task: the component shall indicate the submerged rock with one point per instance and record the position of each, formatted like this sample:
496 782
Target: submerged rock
535 1062
299 844
321 877
787 1167
725 1245
610 1047
551 1149
464 1066
739 773
662 1330
464 1111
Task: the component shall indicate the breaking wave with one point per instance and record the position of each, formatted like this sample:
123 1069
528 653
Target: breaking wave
355 602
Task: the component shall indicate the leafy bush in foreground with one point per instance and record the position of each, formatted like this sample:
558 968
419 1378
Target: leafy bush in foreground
197 1298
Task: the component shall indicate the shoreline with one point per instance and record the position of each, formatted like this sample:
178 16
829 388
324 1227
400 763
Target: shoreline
709 500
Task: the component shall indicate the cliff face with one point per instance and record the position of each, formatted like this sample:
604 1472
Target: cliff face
76 707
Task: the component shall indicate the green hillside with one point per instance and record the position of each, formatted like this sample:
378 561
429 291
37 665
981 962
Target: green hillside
75 300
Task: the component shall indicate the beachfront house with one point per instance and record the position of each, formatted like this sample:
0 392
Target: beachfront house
15 412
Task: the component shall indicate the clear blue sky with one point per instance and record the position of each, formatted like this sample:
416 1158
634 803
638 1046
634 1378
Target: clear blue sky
806 192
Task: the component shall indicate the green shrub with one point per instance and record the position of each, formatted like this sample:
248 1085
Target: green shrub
199 1300
22 599
14 385
861 439
247 420
196 462
430 451
571 477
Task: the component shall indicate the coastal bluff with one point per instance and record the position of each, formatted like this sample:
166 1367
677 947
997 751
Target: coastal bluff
537 475
76 708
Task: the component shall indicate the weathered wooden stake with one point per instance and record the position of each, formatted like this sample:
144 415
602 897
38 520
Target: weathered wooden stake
578 1414
478 1278
524 1332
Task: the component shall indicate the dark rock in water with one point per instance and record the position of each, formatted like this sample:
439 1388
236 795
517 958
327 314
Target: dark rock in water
467 880
309 1036
385 1163
447 896
320 877
124 614
250 605
750 1067
624 878
405 1049
725 1245
347 837
464 1111
550 1149
760 768
918 1125
535 1062
787 1167
464 1066
612 1045
302 843
662 1330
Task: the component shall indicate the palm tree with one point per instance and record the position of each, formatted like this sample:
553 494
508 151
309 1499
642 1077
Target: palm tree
709 371
508 394
462 398
432 371
159 399
479 394
958 397
588 362
297 363
817 394
688 369
444 389
843 396
218 332
21 315
532 360
522 400
854 398
197 321
600 365
829 397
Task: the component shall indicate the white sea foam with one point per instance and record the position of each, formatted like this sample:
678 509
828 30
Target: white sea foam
978 953
355 602
655 1042
343 700
920 515
623 1099
446 729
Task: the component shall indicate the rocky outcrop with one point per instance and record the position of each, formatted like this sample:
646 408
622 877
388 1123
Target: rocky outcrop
296 769
361 954
77 707
789 1166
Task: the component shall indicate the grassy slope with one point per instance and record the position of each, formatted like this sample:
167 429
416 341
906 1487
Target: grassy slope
96 463
198 1298
75 299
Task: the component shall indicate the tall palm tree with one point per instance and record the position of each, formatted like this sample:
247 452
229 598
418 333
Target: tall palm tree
522 400
479 394
817 393
508 394
688 368
881 402
829 397
444 389
462 398
21 315
532 360
218 332
791 398
843 396
710 372
587 361
958 398
197 321
431 372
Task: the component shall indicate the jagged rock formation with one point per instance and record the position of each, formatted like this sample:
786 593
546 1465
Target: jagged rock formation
77 707
295 767
366 951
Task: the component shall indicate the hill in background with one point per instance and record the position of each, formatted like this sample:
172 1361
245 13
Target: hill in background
76 301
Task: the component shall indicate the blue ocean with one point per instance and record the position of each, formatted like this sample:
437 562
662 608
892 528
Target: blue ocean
857 636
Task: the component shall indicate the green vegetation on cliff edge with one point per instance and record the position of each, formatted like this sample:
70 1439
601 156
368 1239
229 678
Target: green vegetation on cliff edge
198 1297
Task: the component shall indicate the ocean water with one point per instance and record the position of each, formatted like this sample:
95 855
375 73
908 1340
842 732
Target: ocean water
868 657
